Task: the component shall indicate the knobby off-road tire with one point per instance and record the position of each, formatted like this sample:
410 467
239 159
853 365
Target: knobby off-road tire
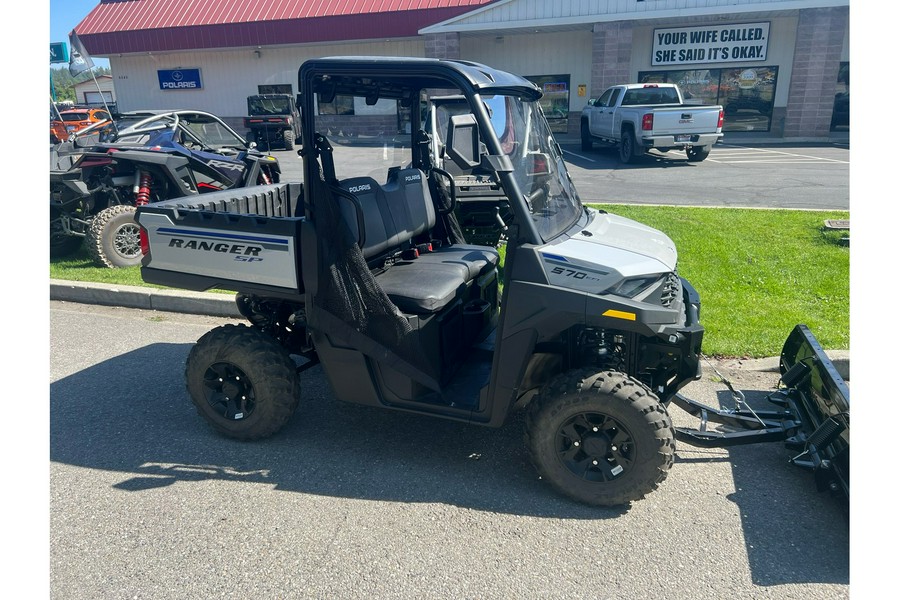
587 143
242 382
114 238
600 438
695 154
628 150
288 140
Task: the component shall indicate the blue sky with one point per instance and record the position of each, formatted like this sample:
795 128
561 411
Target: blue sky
65 15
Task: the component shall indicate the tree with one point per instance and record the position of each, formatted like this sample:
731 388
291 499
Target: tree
63 83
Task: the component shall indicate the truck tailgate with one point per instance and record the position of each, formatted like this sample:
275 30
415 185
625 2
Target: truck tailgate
685 119
243 240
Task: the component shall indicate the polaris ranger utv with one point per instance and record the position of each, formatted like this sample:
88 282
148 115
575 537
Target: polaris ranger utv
362 268
273 120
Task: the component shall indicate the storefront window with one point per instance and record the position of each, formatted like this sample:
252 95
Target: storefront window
555 102
840 116
746 93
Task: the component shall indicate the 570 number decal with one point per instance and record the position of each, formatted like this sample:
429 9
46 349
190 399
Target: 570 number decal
570 273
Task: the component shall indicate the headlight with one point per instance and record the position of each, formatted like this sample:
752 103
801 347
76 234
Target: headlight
629 288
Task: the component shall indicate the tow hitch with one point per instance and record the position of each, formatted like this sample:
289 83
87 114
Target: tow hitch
813 419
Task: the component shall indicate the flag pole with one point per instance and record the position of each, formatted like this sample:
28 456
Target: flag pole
102 96
56 108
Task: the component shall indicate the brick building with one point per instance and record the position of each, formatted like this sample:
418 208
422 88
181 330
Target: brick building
779 67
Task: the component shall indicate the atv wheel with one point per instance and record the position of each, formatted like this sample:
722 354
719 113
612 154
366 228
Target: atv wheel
114 238
586 142
628 151
242 382
695 154
288 140
61 244
600 438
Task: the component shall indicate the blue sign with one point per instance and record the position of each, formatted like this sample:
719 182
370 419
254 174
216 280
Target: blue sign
59 52
179 79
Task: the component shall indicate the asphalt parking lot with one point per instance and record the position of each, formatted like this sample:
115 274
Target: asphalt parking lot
736 175
349 502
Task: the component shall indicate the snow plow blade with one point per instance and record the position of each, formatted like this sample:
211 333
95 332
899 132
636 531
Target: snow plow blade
814 420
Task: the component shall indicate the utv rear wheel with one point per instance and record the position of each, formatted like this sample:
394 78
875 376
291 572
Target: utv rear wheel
114 238
242 382
289 140
61 243
600 438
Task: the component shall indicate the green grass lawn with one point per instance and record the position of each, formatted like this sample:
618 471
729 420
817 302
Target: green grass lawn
758 273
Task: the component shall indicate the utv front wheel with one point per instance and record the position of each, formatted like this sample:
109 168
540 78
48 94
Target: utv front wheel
600 438
114 239
242 382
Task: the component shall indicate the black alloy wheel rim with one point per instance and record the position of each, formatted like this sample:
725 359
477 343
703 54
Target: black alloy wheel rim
595 447
128 240
229 392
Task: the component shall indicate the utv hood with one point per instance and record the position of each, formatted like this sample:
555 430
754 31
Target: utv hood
617 243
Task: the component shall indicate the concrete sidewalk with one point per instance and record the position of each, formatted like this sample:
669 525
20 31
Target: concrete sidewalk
222 305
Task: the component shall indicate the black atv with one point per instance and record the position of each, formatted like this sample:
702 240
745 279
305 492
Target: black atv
100 176
273 121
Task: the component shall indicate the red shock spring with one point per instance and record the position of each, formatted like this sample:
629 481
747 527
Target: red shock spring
143 195
264 177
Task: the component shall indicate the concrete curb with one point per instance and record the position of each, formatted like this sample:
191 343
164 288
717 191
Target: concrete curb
180 301
223 305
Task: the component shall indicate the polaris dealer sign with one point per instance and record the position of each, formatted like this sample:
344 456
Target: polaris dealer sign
179 79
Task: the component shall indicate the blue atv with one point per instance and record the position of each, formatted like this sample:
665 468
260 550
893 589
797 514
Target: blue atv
100 175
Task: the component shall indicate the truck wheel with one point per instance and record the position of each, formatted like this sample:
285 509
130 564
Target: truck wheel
586 142
695 154
628 147
114 239
600 438
242 382
288 140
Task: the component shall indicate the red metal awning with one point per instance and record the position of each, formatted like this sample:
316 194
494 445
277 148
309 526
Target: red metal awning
125 26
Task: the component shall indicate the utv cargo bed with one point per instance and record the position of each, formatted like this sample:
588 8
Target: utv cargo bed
243 240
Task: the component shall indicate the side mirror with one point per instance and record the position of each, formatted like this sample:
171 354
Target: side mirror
463 141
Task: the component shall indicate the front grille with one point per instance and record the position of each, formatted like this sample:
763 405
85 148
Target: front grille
671 290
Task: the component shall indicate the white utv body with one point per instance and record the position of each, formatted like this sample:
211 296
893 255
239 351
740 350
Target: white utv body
367 268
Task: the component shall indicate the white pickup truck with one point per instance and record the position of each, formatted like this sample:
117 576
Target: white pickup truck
639 116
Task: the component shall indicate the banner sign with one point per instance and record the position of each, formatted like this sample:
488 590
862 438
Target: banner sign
179 79
747 42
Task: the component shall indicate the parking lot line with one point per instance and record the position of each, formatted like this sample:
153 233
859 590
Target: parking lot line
743 154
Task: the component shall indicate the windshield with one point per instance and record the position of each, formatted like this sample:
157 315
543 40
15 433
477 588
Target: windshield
537 162
269 105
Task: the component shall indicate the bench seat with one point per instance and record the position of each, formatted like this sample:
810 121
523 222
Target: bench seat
394 218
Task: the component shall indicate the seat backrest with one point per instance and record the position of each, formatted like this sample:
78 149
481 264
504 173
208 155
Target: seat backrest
390 215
